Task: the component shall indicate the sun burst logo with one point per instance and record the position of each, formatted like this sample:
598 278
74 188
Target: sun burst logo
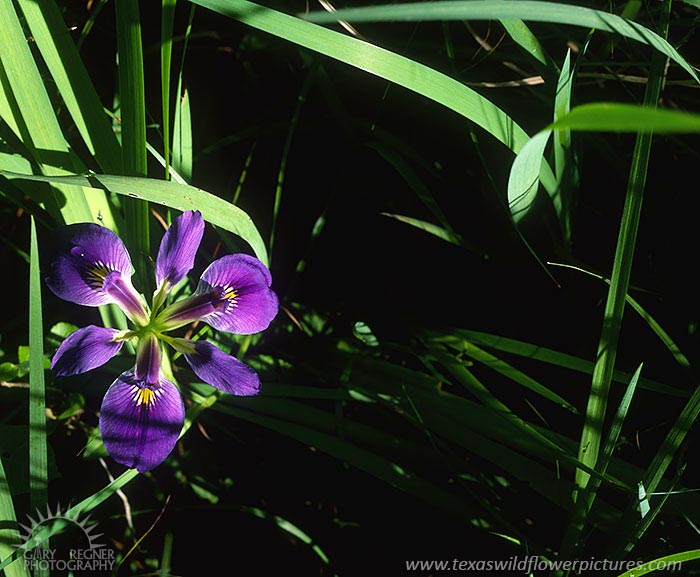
42 520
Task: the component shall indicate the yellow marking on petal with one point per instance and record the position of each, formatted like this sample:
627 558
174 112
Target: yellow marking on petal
231 294
96 274
145 396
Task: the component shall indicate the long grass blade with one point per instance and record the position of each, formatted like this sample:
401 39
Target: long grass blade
182 137
180 197
34 117
385 64
591 435
183 154
73 83
132 103
546 355
562 148
38 456
166 51
38 459
528 10
583 505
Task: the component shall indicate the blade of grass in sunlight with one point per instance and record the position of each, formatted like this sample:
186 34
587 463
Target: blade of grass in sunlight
37 122
166 556
182 137
95 10
385 64
73 83
583 505
493 362
562 149
166 50
290 528
690 413
180 197
445 234
619 279
665 338
501 411
182 126
38 460
9 531
528 10
630 528
545 355
405 168
38 456
133 132
523 36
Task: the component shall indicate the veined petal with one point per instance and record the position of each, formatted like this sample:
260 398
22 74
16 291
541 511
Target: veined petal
85 349
140 423
148 359
92 267
222 371
245 303
179 247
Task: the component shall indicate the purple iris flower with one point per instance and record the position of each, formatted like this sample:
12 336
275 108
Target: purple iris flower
142 412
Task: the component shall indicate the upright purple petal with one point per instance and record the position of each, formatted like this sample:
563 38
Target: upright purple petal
148 359
92 267
179 247
245 303
85 349
222 371
140 423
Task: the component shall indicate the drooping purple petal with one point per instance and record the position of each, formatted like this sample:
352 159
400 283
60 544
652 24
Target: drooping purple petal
84 350
245 304
140 423
222 371
92 267
178 247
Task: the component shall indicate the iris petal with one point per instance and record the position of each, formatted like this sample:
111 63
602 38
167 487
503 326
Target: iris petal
246 305
92 267
222 371
140 423
179 247
83 253
84 350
